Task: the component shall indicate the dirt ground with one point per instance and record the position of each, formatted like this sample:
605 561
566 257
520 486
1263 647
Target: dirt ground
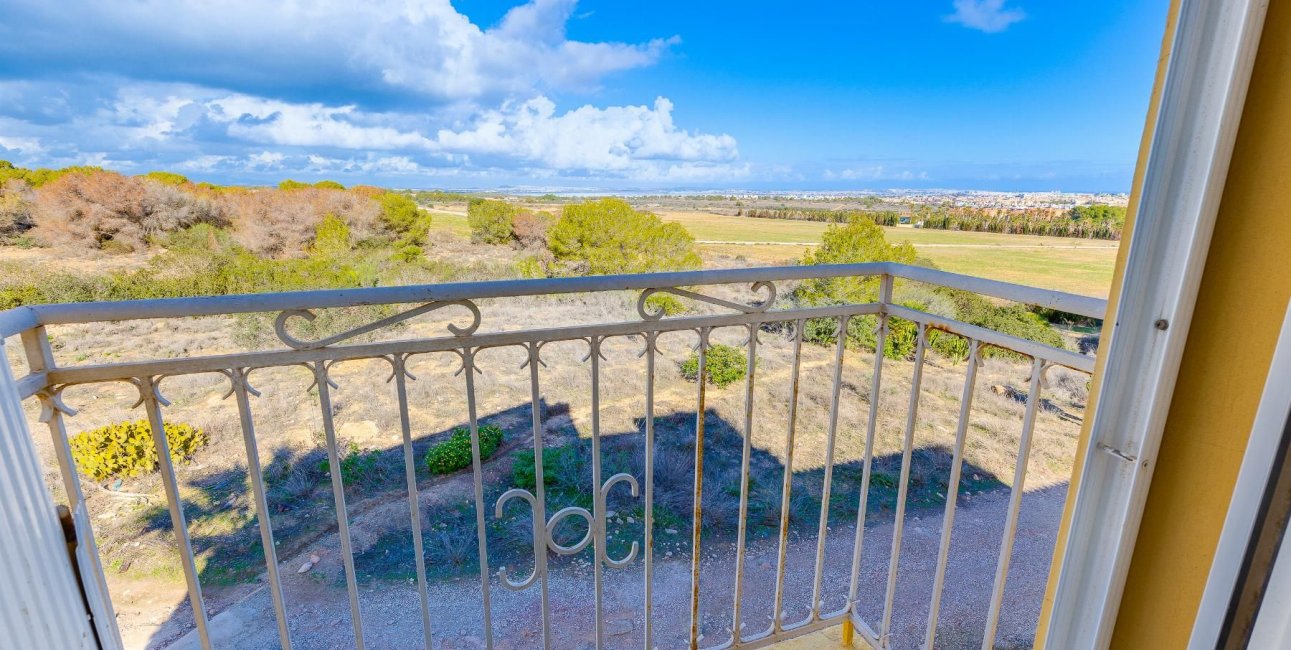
319 613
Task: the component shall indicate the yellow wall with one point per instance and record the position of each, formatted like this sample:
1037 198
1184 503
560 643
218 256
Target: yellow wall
1243 298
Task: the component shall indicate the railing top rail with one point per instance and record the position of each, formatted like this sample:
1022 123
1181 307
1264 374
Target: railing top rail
19 319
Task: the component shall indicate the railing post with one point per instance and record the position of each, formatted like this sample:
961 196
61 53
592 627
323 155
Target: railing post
41 604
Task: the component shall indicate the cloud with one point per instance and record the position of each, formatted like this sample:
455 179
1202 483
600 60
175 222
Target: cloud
988 16
199 129
613 139
387 87
382 50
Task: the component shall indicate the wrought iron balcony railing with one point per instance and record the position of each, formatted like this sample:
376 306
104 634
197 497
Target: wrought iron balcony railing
46 378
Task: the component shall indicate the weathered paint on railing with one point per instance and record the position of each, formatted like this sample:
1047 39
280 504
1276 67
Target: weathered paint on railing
47 380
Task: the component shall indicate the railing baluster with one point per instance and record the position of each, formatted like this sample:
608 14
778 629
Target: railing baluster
747 453
777 615
1015 505
598 496
912 418
477 470
952 490
401 375
876 381
540 501
152 404
651 343
839 351
338 496
697 520
241 391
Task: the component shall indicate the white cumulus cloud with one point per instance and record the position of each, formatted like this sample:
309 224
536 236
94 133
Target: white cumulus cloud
988 16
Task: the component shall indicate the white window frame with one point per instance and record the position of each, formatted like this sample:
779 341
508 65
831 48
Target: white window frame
1204 90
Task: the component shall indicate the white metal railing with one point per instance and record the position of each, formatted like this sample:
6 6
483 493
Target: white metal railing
46 380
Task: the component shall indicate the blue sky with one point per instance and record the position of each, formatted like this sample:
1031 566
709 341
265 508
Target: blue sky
598 94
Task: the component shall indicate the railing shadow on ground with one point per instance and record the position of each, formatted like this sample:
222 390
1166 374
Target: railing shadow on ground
302 515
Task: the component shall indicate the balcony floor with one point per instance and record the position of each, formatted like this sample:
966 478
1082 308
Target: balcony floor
831 637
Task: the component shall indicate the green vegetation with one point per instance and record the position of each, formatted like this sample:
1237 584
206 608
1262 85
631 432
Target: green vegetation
608 236
723 366
490 221
167 178
860 240
357 466
455 453
205 260
402 217
126 449
666 304
38 177
880 217
1086 221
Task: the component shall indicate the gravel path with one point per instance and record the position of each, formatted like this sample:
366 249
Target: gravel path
319 612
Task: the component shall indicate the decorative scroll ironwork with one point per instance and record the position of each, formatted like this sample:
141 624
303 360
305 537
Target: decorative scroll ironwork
280 324
751 308
544 535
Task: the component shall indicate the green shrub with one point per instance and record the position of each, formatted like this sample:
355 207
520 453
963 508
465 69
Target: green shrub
332 236
402 217
357 465
490 221
523 467
126 449
530 266
608 236
859 240
410 253
665 303
723 366
329 185
288 184
455 453
167 178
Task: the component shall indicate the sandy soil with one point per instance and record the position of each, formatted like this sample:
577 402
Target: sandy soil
319 614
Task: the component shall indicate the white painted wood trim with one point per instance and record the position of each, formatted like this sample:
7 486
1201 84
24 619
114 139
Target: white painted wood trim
40 600
1248 494
1201 105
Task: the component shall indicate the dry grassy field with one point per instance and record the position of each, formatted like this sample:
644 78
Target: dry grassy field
1082 266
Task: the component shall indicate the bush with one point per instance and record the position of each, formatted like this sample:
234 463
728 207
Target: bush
455 453
329 185
288 185
859 240
530 266
490 221
283 224
530 228
332 237
126 449
167 178
667 304
608 236
402 217
112 212
357 465
723 366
